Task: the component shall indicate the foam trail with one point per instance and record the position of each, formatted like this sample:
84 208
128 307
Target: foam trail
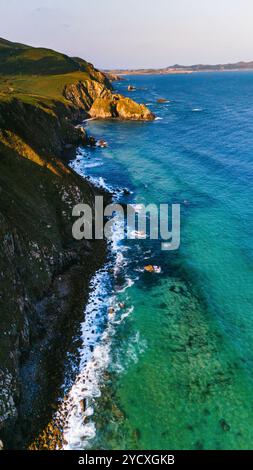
101 316
94 358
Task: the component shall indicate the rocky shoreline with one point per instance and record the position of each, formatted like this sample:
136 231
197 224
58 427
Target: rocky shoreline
48 274
44 272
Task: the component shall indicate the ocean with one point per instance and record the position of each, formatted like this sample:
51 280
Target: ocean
173 368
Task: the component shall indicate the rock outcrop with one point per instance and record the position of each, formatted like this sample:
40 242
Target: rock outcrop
101 103
113 77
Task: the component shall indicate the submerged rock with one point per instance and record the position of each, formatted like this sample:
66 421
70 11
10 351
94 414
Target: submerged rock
224 425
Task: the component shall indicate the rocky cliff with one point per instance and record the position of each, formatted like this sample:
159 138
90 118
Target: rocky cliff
44 273
101 103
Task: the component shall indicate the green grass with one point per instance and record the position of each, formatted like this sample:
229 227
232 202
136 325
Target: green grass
36 88
38 75
20 59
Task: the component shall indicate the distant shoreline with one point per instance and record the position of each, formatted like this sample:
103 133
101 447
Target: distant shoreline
181 69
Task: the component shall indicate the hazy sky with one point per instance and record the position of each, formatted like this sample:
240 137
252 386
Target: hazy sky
134 33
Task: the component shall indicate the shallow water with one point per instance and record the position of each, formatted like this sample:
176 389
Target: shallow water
179 357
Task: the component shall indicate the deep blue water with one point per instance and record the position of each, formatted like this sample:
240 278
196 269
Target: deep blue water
181 368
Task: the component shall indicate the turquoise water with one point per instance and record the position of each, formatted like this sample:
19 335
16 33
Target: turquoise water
181 363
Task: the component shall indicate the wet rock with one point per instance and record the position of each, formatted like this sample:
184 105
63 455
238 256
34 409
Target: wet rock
162 100
82 405
126 191
102 143
91 141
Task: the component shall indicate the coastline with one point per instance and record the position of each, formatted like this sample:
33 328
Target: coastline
178 72
67 296
47 271
84 371
126 232
173 316
90 400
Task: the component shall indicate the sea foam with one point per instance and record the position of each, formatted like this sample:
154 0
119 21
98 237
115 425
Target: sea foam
101 316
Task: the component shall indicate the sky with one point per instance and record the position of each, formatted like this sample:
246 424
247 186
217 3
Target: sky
134 33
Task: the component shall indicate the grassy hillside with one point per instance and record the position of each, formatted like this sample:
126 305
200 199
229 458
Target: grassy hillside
38 75
43 77
21 59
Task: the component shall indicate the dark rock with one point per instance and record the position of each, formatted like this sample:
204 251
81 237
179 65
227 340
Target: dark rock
162 100
126 191
91 141
224 425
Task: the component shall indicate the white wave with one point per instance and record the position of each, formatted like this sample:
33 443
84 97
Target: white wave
138 235
94 357
89 119
101 316
124 315
196 110
79 428
134 348
129 283
92 165
79 166
158 118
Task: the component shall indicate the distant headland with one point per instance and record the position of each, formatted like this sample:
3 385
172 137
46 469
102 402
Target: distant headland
183 69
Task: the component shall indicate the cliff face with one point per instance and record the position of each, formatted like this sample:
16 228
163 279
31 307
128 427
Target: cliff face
44 273
101 103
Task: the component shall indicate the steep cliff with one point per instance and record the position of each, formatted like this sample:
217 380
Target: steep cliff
44 273
44 278
42 76
101 103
